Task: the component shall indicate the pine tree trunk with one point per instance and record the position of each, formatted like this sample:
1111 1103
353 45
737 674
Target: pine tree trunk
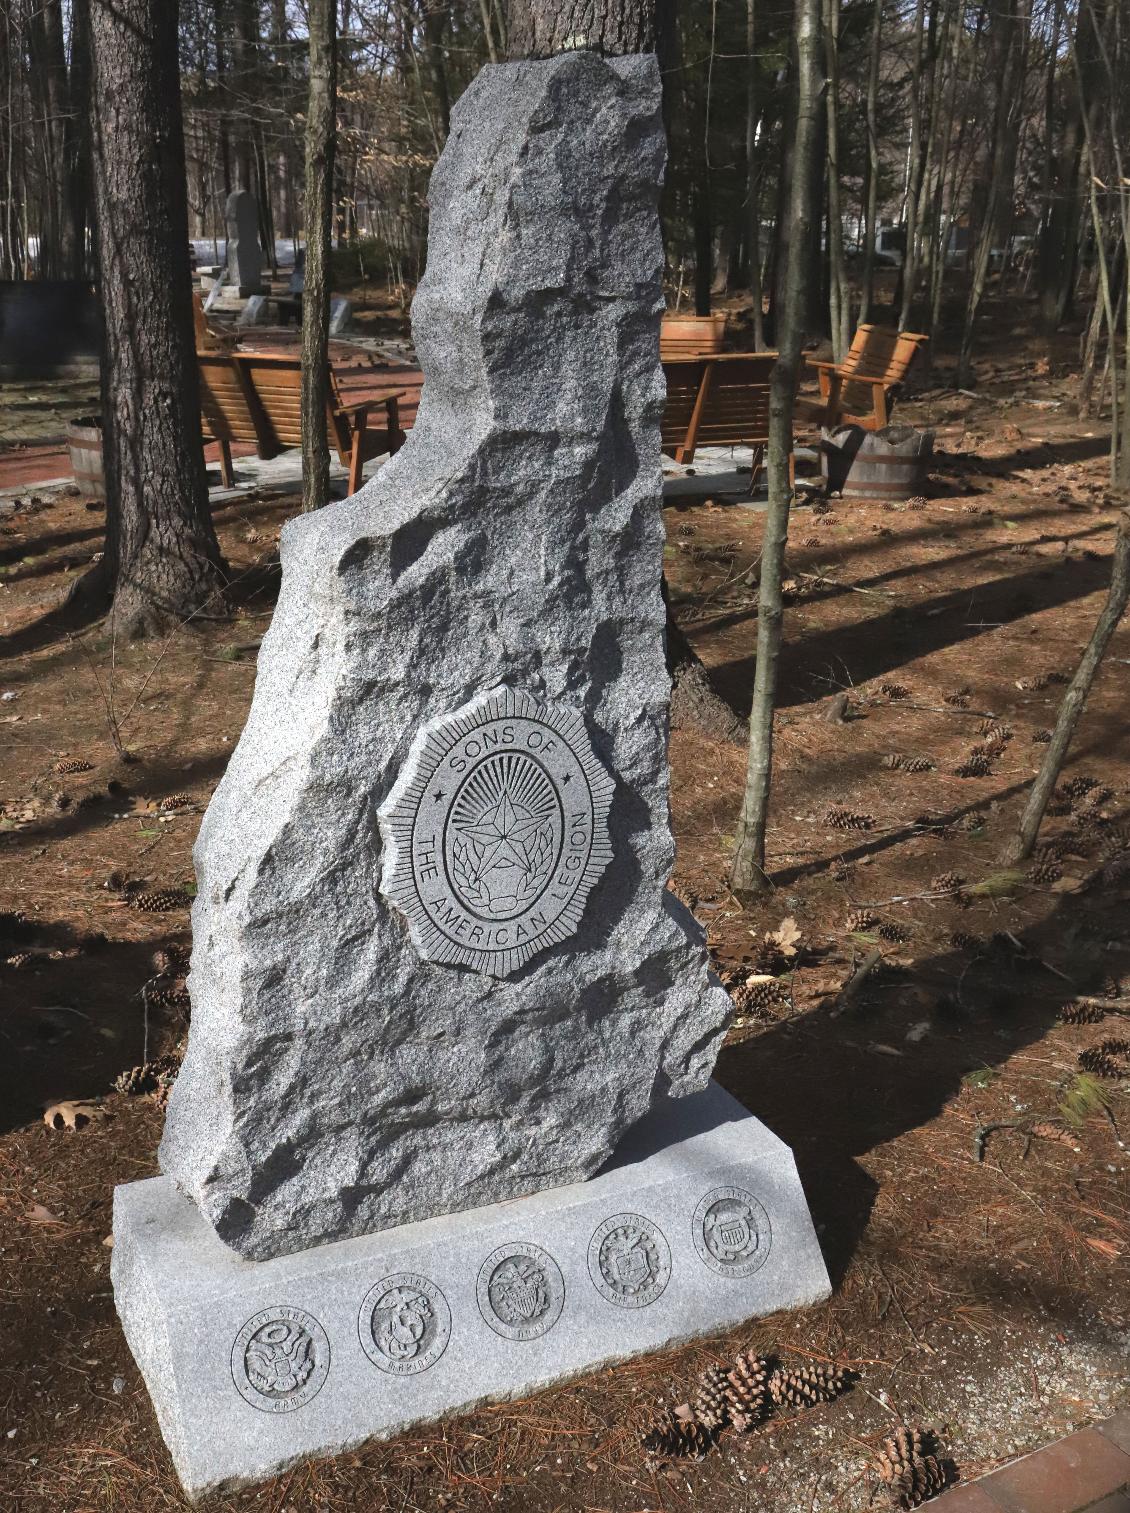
318 217
162 561
747 873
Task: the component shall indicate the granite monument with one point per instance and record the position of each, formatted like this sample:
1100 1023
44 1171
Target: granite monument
444 1131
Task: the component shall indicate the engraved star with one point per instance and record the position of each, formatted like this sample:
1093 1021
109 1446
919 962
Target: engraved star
439 794
502 832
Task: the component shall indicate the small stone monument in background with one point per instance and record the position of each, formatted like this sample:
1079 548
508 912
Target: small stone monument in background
445 1131
245 259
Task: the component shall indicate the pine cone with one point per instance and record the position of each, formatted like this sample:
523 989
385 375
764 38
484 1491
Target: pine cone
909 1468
1042 737
159 901
176 801
678 1437
959 699
1074 1012
1078 787
960 940
859 921
840 818
712 1400
760 997
171 960
146 1078
766 957
73 764
895 933
916 502
894 691
995 730
976 765
947 882
687 529
1104 1059
893 763
168 996
808 1385
1034 684
811 541
747 1388
918 764
1046 871
821 507
21 961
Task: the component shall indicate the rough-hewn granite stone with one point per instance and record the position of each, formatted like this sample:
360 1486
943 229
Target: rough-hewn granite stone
336 1082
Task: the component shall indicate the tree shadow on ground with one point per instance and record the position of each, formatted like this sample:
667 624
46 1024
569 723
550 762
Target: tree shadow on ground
836 1086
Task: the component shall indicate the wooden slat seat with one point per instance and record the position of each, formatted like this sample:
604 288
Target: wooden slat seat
861 390
274 384
229 410
689 335
719 401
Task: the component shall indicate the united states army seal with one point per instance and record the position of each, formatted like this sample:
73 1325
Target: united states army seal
496 831
280 1359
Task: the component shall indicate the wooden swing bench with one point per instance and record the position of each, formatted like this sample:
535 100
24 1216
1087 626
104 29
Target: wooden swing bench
718 401
257 397
861 390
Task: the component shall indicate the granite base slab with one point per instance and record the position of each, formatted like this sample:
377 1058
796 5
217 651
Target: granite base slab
698 1224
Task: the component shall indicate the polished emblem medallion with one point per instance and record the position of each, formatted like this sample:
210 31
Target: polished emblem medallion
496 831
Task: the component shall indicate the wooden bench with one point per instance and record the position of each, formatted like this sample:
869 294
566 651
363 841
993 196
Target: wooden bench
861 390
208 339
719 401
229 410
690 335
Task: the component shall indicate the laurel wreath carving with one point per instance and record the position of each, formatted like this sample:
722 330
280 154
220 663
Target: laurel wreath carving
467 856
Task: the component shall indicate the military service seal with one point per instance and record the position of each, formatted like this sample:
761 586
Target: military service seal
496 831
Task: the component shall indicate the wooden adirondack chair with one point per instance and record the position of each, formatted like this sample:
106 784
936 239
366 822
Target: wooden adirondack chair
229 410
862 389
718 401
690 335
275 382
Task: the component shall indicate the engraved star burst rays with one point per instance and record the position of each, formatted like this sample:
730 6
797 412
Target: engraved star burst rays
503 809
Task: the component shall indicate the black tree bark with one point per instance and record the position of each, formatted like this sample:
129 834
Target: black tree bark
162 563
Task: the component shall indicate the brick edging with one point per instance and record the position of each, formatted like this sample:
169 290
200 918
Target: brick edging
1080 1472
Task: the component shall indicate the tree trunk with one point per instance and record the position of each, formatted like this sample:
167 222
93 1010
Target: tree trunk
753 183
540 28
839 298
747 873
162 561
872 166
1075 699
908 275
318 216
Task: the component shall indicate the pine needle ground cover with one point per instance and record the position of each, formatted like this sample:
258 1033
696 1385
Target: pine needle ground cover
960 1149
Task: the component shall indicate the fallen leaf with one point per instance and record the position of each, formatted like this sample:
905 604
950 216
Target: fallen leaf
38 1214
787 936
71 1114
1068 884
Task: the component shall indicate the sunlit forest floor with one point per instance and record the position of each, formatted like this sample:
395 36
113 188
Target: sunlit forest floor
970 1190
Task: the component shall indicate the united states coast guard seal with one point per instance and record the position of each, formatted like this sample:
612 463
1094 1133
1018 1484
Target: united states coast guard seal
496 831
731 1232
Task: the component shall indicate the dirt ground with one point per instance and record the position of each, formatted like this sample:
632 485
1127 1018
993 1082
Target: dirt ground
980 1266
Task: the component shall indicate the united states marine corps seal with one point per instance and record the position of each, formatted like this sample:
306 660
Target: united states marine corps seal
496 831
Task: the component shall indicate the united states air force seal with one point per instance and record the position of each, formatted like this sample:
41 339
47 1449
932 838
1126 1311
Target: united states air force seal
496 831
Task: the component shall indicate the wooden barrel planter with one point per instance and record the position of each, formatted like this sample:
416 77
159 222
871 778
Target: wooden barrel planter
84 440
889 464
